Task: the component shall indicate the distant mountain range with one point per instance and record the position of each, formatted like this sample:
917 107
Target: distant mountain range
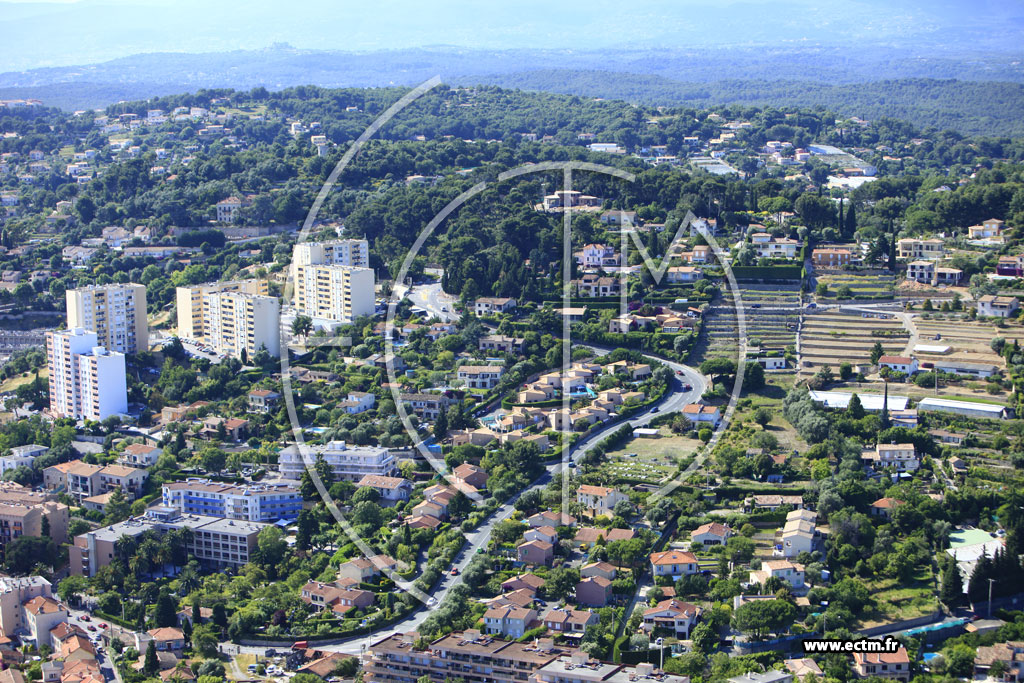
980 95
88 31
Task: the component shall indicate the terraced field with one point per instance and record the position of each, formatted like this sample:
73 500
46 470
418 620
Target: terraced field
766 327
829 338
882 286
970 340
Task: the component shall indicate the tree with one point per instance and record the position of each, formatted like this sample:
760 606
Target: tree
753 377
166 611
152 665
302 325
25 552
762 617
118 508
441 425
855 409
762 416
220 615
561 583
845 370
204 640
307 527
821 290
718 367
704 638
876 352
271 548
69 588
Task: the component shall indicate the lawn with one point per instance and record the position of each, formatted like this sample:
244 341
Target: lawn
896 600
655 459
13 383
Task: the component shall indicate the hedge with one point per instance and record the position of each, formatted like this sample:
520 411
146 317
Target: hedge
766 272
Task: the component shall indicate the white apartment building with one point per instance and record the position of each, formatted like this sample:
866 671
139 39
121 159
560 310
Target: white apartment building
333 293
86 380
116 313
189 302
333 280
252 503
347 462
231 316
334 252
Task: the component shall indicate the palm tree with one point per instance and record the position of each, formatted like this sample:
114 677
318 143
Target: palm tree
302 325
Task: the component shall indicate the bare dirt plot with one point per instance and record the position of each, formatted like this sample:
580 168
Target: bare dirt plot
831 338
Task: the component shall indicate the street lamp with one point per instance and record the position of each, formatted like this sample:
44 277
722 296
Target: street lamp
661 652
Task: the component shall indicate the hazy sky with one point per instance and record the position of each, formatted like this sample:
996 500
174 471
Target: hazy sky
63 32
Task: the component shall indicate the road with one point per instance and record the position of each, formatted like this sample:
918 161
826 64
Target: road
674 401
434 301
81 618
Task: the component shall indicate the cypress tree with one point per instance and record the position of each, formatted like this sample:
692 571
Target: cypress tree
851 220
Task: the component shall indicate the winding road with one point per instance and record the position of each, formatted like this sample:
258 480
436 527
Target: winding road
431 299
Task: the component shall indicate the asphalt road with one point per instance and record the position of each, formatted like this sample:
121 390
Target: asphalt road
431 299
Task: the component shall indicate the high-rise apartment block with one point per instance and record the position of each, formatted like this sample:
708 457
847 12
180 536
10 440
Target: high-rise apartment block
86 380
231 317
116 313
333 282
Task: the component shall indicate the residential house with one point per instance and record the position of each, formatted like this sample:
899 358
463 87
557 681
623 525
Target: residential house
491 305
997 306
530 582
542 533
498 342
574 621
798 533
916 249
550 518
711 533
679 275
831 258
594 591
599 569
588 536
480 376
1010 654
883 507
597 256
509 621
698 413
900 456
790 572
894 665
392 490
140 455
988 230
535 552
906 364
469 476
674 563
263 401
358 402
598 500
673 615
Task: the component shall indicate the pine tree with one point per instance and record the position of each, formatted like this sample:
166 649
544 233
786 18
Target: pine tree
952 590
855 409
152 665
166 613
892 251
885 407
441 425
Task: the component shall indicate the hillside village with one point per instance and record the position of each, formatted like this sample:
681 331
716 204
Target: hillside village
235 448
